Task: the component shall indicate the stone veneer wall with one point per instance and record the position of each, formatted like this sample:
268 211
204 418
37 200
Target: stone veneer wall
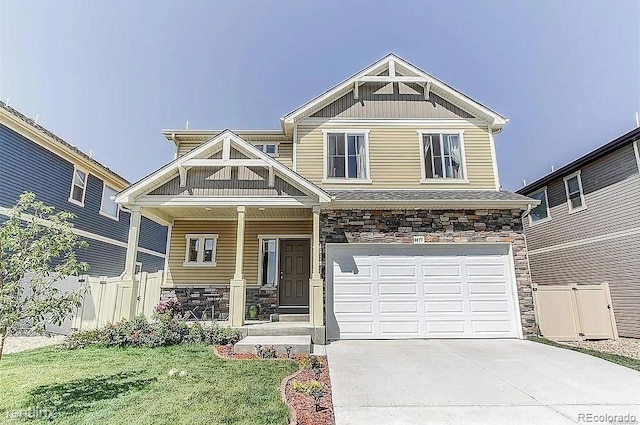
458 226
201 299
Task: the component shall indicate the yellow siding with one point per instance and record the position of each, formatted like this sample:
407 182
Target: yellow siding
177 274
395 157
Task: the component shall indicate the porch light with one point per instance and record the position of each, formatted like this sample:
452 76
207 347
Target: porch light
317 370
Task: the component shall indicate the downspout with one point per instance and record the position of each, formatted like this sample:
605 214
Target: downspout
173 139
295 147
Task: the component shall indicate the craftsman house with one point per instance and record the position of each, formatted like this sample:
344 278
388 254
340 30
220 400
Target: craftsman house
375 211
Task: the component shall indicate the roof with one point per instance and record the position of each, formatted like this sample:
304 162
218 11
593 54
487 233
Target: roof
472 198
440 87
66 146
575 165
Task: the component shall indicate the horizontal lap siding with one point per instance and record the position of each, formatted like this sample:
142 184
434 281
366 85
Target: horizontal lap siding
150 263
616 261
395 158
611 209
104 259
225 254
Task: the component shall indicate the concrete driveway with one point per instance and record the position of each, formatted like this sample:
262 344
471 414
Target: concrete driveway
475 382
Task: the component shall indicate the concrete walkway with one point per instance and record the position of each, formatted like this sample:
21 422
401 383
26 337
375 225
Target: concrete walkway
475 382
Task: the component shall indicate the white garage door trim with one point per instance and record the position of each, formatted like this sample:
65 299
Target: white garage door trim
455 253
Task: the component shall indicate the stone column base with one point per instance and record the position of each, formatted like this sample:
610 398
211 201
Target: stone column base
316 302
237 299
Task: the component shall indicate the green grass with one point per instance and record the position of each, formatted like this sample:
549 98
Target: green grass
132 386
613 358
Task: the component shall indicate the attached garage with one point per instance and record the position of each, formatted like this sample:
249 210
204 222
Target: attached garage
398 291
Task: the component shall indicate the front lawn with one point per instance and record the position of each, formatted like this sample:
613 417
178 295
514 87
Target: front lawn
132 386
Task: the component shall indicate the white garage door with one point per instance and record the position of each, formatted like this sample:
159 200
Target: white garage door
387 291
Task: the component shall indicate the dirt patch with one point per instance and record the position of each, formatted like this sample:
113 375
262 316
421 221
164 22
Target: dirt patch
627 347
303 407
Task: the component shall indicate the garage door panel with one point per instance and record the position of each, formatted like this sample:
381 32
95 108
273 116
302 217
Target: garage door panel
453 288
420 291
396 288
398 307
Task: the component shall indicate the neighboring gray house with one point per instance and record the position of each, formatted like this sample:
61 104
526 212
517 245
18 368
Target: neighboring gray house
587 227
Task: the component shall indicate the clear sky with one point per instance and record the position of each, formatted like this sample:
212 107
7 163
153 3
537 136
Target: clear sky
109 75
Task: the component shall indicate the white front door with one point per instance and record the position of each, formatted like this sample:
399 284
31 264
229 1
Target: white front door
392 291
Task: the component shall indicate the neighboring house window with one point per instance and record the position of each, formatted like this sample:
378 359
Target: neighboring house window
347 156
270 149
78 187
541 212
442 156
268 262
201 250
575 194
108 206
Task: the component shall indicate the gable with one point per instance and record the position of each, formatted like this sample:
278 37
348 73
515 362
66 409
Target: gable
391 100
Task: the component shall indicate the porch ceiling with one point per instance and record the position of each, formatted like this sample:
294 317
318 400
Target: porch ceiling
213 213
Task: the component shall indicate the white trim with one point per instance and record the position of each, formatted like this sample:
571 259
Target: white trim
548 217
295 148
73 184
200 237
494 157
206 162
431 203
594 239
150 182
89 235
325 157
396 122
375 68
261 238
637 153
195 201
113 217
583 204
441 132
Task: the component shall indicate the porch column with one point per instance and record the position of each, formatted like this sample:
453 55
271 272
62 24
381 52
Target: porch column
129 286
316 298
237 295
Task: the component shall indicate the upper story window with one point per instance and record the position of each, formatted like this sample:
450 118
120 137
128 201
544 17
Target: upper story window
442 157
540 213
268 148
108 206
201 250
347 156
575 194
78 187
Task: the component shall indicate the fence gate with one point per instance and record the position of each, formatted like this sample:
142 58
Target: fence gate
575 312
103 300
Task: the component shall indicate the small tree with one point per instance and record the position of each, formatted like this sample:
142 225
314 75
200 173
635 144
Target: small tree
36 249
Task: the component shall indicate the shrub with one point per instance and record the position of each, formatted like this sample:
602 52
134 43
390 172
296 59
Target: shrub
309 387
140 332
266 352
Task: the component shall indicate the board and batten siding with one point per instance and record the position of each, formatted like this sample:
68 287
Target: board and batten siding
391 100
222 273
28 167
616 261
561 251
285 147
394 156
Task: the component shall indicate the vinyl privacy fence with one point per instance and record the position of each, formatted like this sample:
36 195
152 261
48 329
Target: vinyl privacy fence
104 302
575 312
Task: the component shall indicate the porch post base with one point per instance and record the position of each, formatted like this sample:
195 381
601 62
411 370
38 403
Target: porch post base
237 297
316 302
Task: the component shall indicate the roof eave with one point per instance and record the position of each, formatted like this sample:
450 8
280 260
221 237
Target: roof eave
439 204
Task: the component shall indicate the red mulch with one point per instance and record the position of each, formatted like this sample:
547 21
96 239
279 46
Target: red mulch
303 405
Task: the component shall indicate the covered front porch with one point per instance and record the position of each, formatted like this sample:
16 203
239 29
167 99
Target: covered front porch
244 231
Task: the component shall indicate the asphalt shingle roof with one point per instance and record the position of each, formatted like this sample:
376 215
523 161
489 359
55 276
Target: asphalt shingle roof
426 195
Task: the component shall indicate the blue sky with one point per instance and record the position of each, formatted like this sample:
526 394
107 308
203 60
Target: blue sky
109 75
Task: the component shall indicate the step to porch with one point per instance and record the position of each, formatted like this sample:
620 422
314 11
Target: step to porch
279 317
300 344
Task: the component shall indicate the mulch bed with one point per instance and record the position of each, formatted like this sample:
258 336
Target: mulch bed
302 406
